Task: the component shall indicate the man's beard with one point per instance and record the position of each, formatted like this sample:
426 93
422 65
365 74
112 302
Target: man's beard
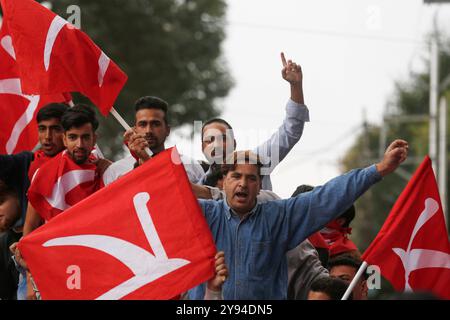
153 143
79 160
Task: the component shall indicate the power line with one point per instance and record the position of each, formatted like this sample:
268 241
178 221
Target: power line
327 33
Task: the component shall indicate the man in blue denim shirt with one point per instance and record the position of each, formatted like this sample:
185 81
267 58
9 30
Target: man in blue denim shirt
255 237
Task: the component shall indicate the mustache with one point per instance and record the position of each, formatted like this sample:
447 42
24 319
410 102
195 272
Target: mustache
149 136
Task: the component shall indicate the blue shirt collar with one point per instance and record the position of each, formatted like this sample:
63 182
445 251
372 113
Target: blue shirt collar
229 211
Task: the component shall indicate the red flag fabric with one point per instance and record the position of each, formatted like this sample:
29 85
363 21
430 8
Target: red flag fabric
60 183
39 158
54 57
318 241
412 248
336 238
19 129
142 237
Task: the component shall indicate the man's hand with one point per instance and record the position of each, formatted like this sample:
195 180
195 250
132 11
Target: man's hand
395 154
31 294
292 73
17 256
136 143
215 283
127 135
201 192
102 165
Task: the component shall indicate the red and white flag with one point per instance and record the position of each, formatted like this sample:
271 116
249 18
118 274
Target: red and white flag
60 183
142 237
412 248
54 57
18 127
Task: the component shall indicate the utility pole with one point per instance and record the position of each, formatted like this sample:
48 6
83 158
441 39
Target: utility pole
443 154
435 92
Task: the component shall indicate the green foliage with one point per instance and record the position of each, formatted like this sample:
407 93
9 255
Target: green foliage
411 97
168 48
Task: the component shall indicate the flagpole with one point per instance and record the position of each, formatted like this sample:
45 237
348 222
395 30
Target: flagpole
120 119
125 125
355 280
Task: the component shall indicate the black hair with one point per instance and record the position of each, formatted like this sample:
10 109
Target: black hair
150 102
346 260
241 157
6 191
214 176
51 111
78 116
332 287
302 189
348 214
216 120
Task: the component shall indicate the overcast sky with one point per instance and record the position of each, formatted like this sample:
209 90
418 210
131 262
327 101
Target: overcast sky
351 52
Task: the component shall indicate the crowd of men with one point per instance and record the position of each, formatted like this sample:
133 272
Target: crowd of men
268 248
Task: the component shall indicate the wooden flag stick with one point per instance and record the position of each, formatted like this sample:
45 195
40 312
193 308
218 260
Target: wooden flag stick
120 119
355 280
125 125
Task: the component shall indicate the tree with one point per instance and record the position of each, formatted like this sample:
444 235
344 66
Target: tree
168 48
411 97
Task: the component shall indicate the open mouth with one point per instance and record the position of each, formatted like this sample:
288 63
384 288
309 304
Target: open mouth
241 195
80 153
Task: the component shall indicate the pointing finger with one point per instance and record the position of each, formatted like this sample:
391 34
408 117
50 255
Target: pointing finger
283 60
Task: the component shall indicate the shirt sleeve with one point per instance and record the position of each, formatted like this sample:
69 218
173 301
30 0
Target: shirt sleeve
304 267
309 212
118 169
194 171
213 295
216 193
283 140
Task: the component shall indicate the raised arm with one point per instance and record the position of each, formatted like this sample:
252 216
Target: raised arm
201 192
32 221
309 212
289 133
292 73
